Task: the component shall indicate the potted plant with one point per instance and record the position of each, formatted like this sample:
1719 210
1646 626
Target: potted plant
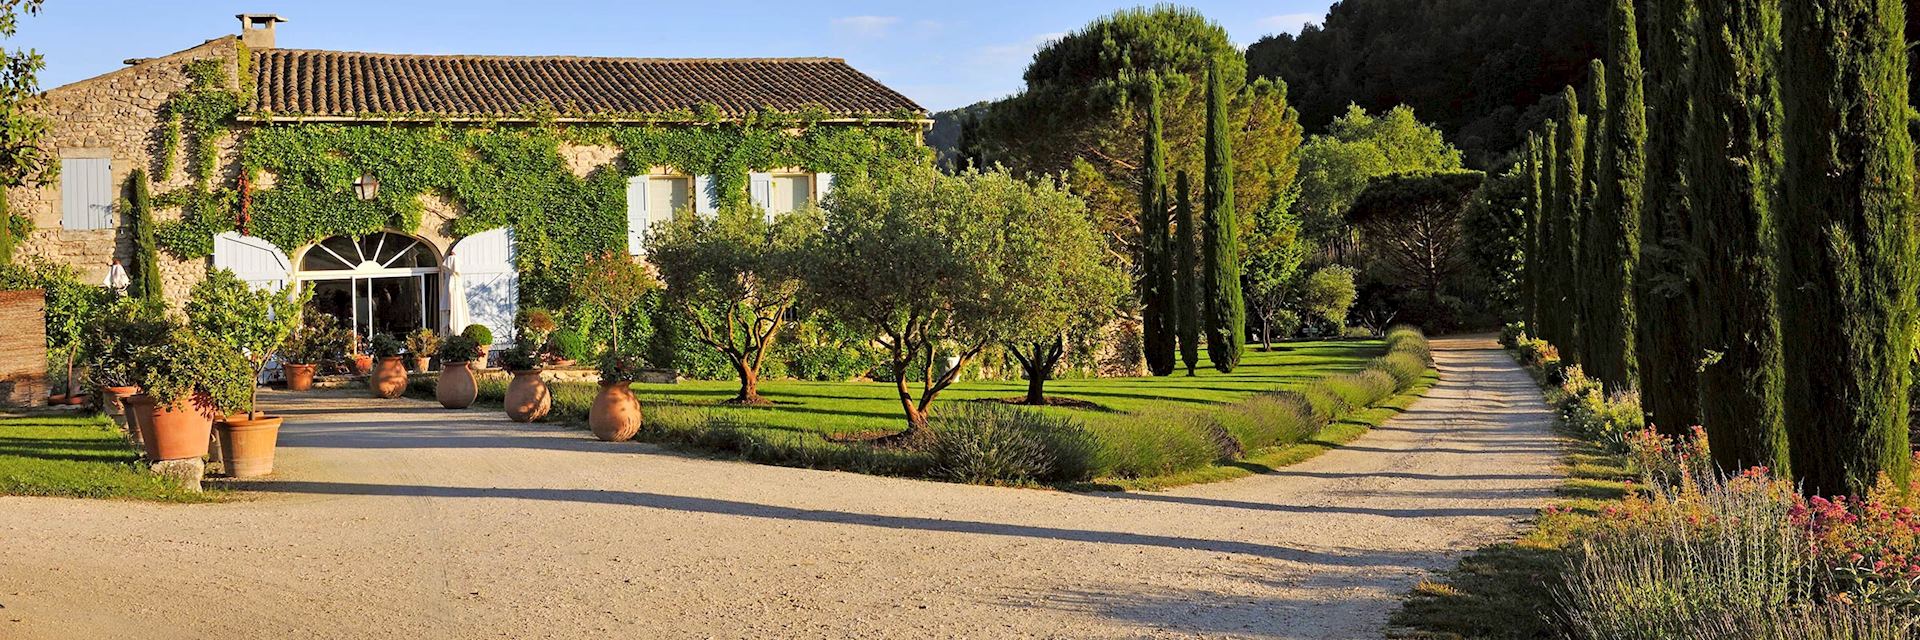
253 324
456 389
421 345
569 347
615 414
122 324
187 381
319 342
527 398
389 378
362 363
534 326
482 338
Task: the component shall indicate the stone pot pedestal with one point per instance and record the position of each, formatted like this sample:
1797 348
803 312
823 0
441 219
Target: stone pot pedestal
185 472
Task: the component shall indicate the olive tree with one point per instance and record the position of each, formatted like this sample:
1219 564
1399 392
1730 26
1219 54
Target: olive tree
735 276
938 265
252 323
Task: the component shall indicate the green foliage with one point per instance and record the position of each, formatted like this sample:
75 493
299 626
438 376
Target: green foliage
1612 234
1413 222
1271 419
989 443
620 366
145 271
25 158
114 330
1336 166
1494 232
569 344
613 283
1663 333
1188 295
386 345
734 278
457 348
1159 277
524 355
1225 307
1734 167
1563 247
423 343
187 366
252 323
1848 227
320 340
478 333
79 456
70 303
1328 294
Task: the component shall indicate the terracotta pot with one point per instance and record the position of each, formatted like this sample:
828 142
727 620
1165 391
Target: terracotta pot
299 376
480 355
456 389
247 445
173 432
420 364
111 399
527 397
615 414
362 364
390 380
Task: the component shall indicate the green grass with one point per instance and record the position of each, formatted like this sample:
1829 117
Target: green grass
77 457
1153 431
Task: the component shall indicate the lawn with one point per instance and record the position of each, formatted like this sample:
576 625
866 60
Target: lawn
77 457
1145 425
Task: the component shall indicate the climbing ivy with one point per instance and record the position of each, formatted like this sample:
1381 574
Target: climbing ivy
202 114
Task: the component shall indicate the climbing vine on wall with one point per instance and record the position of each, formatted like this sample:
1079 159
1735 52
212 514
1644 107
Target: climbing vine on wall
201 115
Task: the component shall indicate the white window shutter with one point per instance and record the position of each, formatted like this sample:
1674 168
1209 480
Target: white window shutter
705 201
822 185
86 193
760 189
636 214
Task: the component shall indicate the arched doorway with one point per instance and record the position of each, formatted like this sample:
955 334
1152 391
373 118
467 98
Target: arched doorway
382 282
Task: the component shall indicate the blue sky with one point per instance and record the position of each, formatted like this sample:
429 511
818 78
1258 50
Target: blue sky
941 54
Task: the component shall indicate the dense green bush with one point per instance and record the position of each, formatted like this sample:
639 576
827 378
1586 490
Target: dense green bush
1158 441
1405 367
986 442
1270 419
1406 339
568 344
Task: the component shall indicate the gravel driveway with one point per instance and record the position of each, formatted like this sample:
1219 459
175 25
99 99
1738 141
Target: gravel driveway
397 519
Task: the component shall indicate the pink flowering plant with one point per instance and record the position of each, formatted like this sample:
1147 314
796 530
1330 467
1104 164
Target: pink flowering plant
1870 543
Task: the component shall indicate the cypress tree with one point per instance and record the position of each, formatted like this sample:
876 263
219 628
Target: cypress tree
1614 225
1187 306
1157 315
1564 249
145 273
1734 166
1530 287
1590 293
1226 310
6 230
1846 223
1663 287
1549 298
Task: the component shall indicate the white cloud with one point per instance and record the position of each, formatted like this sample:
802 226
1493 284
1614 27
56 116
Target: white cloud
1287 23
1018 52
865 26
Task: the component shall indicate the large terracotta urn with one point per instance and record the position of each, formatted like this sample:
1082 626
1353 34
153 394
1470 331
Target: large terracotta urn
247 444
299 376
362 364
172 432
456 388
528 399
615 414
389 380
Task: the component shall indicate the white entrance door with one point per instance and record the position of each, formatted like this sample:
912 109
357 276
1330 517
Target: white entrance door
256 261
483 264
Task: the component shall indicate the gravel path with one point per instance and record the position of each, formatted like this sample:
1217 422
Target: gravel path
400 520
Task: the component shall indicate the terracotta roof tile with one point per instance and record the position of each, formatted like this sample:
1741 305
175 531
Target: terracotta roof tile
298 82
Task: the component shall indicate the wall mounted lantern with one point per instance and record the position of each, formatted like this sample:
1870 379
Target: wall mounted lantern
366 187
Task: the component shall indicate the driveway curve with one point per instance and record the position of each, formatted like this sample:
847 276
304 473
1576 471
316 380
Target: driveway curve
402 520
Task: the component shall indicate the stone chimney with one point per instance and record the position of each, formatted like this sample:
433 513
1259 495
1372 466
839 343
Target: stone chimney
256 29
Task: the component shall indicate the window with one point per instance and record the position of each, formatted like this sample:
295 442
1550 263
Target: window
790 192
651 199
86 193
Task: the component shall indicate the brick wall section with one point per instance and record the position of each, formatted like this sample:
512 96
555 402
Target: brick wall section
23 348
116 115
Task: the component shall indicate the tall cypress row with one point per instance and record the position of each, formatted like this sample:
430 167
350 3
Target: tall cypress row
1157 316
1663 287
1734 166
1614 225
1187 306
1564 249
1590 294
145 273
1226 309
1530 287
1549 297
1846 223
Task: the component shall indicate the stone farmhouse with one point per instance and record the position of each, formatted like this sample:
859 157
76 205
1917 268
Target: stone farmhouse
430 190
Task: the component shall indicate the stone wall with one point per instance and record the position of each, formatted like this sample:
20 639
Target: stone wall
114 115
23 348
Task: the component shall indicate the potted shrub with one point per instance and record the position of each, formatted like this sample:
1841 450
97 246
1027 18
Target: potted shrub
187 381
122 324
421 345
389 378
253 324
569 347
318 343
482 338
615 414
456 388
357 355
527 398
